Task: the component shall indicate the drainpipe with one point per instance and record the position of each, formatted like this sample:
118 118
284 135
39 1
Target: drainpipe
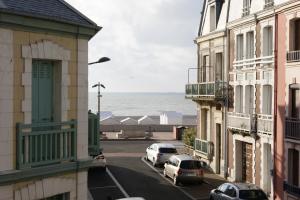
226 67
275 106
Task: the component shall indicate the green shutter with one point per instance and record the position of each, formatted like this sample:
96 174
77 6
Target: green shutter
42 91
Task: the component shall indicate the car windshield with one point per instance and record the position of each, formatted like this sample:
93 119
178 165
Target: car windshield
167 150
190 164
252 195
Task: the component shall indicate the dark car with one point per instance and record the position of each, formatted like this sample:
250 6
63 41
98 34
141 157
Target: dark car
236 191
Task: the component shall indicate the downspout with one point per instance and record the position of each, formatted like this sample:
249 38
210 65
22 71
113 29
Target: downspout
275 104
226 95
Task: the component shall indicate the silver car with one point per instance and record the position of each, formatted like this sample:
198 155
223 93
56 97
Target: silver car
159 153
183 168
236 191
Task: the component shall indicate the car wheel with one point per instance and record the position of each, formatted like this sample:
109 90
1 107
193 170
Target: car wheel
175 180
165 173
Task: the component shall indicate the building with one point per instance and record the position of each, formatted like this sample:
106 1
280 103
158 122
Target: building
251 26
43 100
170 118
208 90
287 151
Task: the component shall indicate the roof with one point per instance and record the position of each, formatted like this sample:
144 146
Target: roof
165 145
184 157
246 186
57 10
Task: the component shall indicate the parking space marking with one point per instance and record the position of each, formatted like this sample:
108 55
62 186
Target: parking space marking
153 168
117 183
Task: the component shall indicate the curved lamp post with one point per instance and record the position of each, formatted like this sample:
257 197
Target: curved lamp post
101 60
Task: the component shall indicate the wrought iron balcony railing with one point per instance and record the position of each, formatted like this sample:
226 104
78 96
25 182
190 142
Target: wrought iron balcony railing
293 56
265 124
292 128
205 90
46 143
291 189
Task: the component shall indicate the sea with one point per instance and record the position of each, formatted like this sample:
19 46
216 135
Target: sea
140 104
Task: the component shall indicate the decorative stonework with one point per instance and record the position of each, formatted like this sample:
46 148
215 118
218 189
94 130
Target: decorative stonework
50 51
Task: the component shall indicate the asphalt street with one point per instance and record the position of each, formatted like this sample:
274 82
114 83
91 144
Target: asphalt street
135 178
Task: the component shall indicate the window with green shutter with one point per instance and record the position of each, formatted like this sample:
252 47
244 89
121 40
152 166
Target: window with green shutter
42 91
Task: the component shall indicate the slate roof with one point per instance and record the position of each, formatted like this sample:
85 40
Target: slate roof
57 10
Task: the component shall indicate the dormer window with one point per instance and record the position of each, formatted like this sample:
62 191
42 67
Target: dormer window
212 18
246 7
215 12
269 3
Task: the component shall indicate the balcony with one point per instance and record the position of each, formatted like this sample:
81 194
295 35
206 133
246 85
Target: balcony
242 122
94 131
205 91
203 147
292 129
46 143
291 189
265 124
293 56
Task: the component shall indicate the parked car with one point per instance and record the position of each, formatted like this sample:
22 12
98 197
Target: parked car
235 191
183 168
99 161
159 153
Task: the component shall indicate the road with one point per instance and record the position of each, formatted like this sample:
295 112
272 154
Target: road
135 177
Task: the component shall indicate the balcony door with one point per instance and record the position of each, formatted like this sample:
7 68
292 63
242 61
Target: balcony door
42 91
295 101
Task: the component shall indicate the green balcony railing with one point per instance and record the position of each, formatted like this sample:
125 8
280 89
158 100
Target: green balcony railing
94 131
46 143
207 89
203 147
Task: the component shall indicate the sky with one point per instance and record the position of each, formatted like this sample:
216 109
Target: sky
150 43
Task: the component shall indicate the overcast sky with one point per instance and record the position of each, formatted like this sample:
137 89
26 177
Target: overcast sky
150 43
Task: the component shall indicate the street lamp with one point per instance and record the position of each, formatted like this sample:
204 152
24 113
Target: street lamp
101 60
99 95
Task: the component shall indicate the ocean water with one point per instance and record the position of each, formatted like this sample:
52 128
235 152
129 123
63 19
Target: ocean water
139 104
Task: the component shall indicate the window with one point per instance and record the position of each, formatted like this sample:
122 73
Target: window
269 3
294 35
230 191
249 97
205 71
246 7
268 41
239 47
239 99
295 100
204 124
293 166
219 67
252 194
212 18
167 150
190 164
250 45
267 100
